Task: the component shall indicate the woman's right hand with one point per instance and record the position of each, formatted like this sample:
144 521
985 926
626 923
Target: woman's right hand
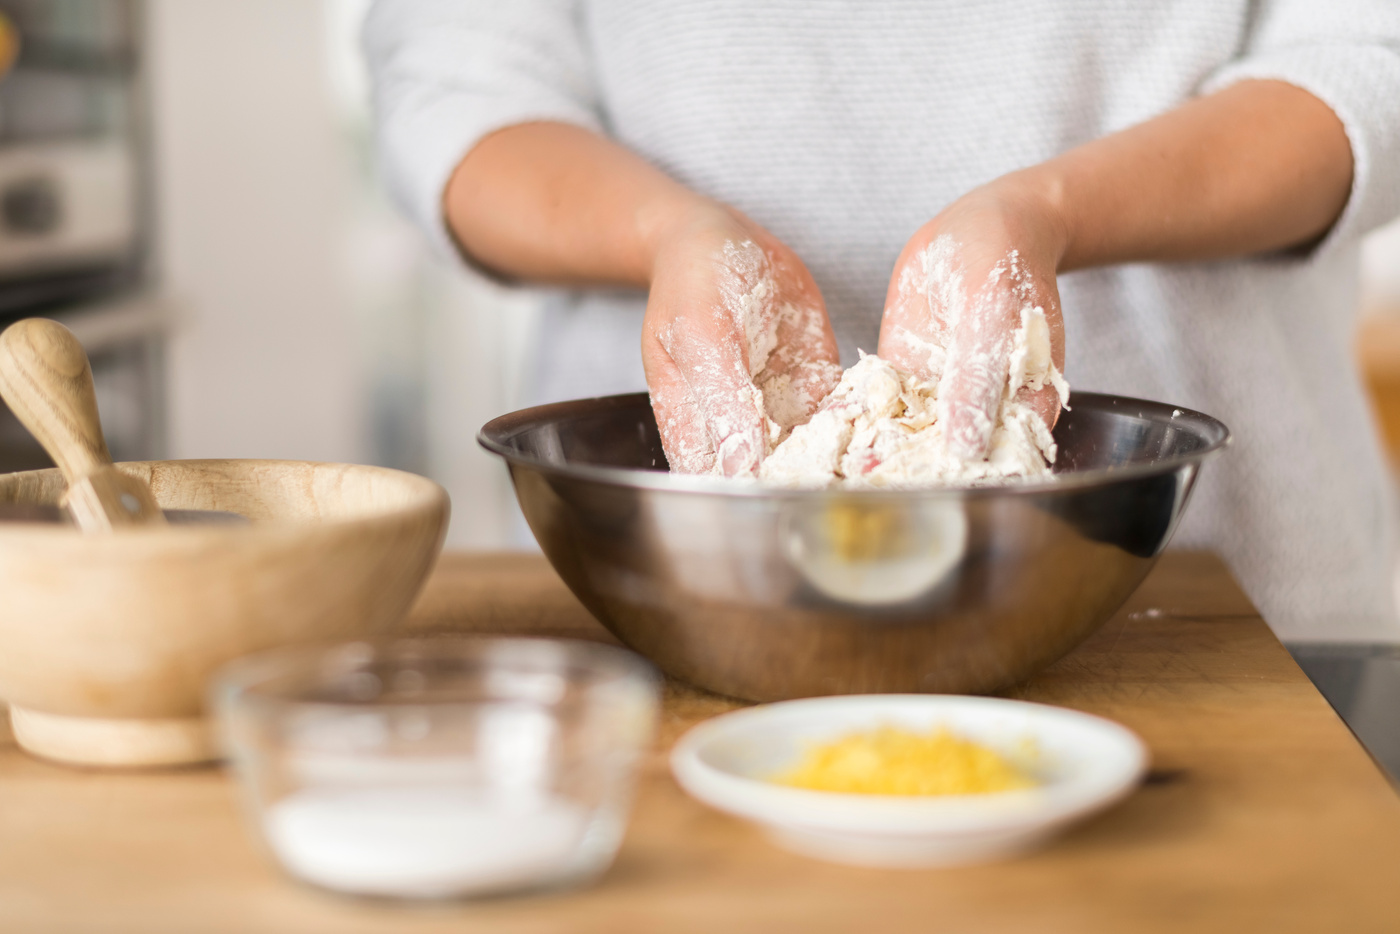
735 333
736 342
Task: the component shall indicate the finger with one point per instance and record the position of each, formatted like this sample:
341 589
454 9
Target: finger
1042 323
923 295
803 369
906 326
708 356
805 364
684 437
975 374
1044 402
804 330
695 347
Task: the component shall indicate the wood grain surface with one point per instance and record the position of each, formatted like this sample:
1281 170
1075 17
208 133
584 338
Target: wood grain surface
1262 813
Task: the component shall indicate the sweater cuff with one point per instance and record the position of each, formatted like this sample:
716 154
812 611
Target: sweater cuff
1362 86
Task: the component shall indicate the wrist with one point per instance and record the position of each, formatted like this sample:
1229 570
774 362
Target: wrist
666 222
1035 198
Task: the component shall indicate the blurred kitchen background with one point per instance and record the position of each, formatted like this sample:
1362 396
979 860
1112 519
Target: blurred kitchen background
190 184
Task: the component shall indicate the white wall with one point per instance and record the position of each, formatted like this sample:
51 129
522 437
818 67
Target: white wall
252 198
316 324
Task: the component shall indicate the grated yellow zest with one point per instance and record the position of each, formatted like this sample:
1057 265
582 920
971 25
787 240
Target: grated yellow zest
894 761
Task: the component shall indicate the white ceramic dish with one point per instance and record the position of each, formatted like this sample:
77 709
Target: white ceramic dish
1084 763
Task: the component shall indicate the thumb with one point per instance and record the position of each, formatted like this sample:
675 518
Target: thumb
684 437
719 393
974 378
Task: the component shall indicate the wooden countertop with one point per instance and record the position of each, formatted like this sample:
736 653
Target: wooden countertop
1262 813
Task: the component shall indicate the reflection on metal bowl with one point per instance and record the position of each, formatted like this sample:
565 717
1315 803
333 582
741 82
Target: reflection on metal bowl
873 554
767 594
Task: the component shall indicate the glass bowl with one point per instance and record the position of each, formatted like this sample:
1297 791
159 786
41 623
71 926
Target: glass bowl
439 767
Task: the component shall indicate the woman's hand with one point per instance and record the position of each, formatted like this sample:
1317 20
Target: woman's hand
736 342
1216 177
955 303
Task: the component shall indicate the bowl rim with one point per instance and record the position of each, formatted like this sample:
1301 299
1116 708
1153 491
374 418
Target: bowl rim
426 496
493 436
248 680
781 806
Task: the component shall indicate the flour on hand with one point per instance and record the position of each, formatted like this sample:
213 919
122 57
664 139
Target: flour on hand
782 387
879 427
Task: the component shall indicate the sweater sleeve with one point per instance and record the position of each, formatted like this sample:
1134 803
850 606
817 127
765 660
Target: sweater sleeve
447 73
1347 54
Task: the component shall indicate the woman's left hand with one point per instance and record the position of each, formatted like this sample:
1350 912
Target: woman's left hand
955 300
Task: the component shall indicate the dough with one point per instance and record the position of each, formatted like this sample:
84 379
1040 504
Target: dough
879 428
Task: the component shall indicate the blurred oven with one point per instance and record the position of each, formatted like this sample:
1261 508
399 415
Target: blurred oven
74 210
66 207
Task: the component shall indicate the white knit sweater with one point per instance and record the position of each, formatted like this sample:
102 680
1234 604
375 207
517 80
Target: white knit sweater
844 125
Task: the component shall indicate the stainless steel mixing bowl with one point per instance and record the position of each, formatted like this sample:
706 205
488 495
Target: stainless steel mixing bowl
766 594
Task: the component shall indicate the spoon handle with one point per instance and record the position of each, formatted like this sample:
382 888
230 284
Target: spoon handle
46 380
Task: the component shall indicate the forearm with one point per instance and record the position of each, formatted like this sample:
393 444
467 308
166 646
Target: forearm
556 203
1257 167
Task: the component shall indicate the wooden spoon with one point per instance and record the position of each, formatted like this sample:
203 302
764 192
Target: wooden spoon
46 381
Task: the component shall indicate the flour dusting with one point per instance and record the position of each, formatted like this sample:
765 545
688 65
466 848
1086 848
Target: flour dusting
879 426
779 393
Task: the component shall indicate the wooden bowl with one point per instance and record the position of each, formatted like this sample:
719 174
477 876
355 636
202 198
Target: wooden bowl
106 641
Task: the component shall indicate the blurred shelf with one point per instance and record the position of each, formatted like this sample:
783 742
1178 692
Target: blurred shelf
1378 355
77 60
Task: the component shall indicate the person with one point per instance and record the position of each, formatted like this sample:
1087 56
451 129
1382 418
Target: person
1180 185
